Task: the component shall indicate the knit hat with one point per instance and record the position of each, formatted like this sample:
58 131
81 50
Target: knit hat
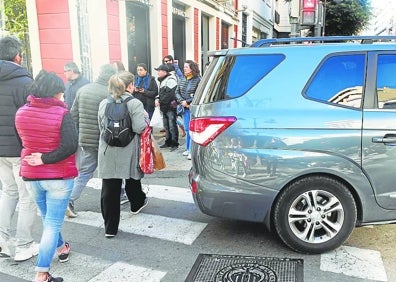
163 67
106 71
47 84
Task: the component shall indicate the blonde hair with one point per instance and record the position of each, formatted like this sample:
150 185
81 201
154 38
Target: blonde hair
119 82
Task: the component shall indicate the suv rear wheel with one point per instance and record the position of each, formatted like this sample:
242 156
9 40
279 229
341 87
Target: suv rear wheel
315 214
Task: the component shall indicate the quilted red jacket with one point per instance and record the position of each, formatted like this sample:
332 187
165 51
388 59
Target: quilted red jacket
39 125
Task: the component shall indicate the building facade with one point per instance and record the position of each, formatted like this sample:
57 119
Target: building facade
95 32
384 20
255 20
282 14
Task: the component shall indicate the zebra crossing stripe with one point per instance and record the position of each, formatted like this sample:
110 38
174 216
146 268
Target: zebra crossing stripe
355 262
154 226
121 271
95 183
82 268
169 193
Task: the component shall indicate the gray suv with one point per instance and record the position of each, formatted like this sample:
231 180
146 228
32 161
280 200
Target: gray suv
299 134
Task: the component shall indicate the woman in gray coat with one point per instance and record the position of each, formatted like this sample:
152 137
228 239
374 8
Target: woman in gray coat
118 163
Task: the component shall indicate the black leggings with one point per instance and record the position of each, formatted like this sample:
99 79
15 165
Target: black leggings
110 200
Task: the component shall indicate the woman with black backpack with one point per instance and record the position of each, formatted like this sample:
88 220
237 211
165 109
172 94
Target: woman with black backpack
120 161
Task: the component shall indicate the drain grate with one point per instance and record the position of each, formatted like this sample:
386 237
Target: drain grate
229 268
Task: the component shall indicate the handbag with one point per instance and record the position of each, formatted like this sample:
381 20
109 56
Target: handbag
156 119
180 110
146 159
159 161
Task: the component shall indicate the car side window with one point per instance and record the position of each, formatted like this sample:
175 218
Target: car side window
339 80
386 81
238 74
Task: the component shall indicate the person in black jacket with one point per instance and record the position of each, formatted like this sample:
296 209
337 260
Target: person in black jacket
146 89
167 102
74 82
14 84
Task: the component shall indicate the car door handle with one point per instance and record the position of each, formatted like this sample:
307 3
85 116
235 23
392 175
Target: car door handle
385 140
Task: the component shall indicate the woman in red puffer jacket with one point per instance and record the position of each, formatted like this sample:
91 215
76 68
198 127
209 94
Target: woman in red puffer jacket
49 140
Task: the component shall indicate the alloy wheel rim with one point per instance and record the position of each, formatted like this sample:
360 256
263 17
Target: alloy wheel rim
316 216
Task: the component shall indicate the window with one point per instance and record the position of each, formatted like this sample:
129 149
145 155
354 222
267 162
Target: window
386 81
339 80
224 35
237 74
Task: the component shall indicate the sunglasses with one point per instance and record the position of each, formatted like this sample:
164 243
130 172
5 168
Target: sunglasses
167 61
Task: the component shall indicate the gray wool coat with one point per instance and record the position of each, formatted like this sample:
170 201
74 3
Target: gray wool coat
121 162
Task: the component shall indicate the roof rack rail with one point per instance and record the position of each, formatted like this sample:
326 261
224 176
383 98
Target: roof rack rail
321 39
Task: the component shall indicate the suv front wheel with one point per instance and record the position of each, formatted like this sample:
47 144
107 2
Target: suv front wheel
315 214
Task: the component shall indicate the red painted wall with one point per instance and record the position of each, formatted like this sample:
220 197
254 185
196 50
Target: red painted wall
54 34
113 30
164 27
196 35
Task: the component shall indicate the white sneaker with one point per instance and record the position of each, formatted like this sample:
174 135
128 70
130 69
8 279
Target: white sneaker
124 199
4 250
22 254
185 153
70 211
189 156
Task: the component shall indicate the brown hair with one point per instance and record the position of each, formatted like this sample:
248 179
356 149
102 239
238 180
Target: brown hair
119 82
194 67
167 57
119 65
142 65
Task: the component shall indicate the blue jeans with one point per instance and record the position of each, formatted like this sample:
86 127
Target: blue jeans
186 120
150 113
87 161
14 191
52 198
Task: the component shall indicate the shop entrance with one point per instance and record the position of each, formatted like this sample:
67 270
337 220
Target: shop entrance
179 39
138 34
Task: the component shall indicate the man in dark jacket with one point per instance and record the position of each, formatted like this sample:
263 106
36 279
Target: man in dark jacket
14 84
85 114
167 102
74 82
146 88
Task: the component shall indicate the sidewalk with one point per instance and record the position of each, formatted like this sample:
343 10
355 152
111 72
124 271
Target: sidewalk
174 160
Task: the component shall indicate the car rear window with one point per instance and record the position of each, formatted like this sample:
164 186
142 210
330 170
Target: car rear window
386 82
237 74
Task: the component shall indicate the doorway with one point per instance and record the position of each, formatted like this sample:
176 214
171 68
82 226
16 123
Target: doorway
179 39
138 34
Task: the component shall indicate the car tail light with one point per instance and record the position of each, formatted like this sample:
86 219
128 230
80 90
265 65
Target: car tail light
205 130
194 187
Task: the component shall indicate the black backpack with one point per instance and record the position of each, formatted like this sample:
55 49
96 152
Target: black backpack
118 131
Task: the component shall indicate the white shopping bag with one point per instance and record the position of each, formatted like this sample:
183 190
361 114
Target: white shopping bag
156 119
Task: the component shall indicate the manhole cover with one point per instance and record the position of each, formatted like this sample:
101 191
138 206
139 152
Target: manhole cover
229 268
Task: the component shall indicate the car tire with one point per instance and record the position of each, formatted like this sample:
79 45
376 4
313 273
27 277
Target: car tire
315 214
